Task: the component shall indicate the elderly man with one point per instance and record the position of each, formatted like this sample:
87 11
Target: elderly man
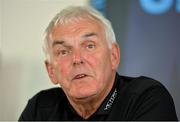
83 57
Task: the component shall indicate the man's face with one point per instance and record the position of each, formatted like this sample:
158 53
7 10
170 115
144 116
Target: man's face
82 63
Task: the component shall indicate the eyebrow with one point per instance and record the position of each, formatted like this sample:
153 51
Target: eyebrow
56 42
90 34
61 42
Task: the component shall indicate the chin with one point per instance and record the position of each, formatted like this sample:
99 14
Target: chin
84 94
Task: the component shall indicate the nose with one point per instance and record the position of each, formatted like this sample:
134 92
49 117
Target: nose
77 57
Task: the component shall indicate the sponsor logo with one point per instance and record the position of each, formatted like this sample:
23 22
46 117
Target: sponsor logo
111 100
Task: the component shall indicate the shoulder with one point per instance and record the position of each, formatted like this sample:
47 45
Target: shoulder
137 85
48 97
144 89
43 105
143 98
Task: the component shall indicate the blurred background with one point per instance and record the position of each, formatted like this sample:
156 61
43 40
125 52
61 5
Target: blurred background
148 32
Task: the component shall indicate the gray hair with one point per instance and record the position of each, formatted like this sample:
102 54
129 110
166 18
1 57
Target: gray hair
75 13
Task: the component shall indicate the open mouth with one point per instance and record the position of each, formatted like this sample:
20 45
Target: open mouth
79 76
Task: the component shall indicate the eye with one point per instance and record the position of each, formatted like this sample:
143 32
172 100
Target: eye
90 46
63 52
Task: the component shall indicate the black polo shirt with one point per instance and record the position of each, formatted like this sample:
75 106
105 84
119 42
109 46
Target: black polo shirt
130 98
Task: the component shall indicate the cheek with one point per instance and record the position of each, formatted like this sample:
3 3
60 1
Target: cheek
63 67
92 60
99 61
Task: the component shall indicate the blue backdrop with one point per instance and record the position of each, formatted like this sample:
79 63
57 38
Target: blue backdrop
148 32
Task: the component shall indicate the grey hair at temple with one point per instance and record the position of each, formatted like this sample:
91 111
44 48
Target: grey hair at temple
75 13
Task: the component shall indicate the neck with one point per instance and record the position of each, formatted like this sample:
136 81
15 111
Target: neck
85 107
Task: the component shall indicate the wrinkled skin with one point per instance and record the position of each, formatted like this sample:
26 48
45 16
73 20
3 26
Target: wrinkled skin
81 60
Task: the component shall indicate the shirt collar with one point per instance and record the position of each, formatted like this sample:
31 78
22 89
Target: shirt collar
107 104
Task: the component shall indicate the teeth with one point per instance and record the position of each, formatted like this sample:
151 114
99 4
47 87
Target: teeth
80 76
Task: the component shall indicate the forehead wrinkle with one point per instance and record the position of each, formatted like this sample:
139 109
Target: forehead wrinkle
77 27
73 31
90 34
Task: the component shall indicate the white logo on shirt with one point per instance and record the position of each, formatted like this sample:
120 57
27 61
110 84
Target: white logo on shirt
111 100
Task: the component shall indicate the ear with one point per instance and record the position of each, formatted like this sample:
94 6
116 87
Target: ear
51 72
115 56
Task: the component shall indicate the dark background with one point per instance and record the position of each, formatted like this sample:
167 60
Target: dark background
148 32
